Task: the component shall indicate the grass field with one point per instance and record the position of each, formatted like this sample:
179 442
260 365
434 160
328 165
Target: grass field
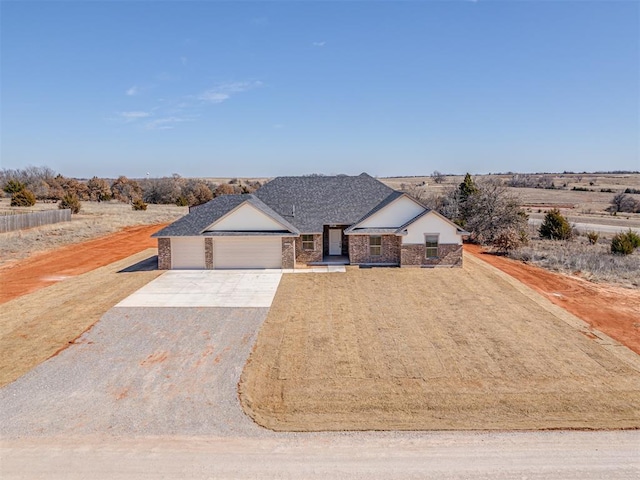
94 220
404 349
36 326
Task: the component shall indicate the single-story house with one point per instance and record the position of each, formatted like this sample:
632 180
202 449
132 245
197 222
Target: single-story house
311 220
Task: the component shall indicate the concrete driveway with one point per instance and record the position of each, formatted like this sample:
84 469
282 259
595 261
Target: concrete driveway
208 288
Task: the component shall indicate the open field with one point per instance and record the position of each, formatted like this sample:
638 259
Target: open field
580 258
577 206
433 349
36 326
94 220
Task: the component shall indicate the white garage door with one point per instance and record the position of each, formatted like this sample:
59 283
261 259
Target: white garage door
187 253
247 252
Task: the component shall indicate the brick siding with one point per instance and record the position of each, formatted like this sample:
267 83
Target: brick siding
306 256
164 254
413 255
208 253
288 252
359 250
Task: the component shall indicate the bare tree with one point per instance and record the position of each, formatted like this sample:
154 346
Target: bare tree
415 191
491 210
437 177
165 190
624 203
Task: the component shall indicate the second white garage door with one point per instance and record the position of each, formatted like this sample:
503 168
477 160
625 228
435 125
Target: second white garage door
247 252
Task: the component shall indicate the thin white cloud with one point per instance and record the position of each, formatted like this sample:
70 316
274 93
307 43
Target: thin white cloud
165 123
184 60
133 116
132 91
224 91
319 44
214 97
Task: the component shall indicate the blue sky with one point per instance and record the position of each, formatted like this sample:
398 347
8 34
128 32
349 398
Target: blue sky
270 88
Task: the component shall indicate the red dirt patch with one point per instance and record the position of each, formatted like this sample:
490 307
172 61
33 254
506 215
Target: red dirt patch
154 358
612 310
52 266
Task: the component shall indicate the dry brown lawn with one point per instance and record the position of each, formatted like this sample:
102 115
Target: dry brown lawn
36 326
404 349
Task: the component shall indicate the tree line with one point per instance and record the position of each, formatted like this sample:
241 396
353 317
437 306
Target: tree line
29 184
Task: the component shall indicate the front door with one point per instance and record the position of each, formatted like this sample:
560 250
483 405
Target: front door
335 241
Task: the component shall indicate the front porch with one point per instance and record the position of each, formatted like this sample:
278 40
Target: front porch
331 260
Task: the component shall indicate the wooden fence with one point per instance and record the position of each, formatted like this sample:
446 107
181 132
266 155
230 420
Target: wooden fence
21 221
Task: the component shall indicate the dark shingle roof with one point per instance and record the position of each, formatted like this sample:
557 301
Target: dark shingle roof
318 201
204 215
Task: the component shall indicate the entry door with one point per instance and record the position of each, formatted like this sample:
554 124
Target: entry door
335 241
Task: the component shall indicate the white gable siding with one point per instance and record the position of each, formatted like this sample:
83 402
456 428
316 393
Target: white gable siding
246 218
431 223
396 214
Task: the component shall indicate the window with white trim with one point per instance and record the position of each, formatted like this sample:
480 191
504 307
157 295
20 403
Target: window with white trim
375 245
308 243
431 245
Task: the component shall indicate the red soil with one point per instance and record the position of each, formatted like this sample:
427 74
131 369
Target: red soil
612 310
46 268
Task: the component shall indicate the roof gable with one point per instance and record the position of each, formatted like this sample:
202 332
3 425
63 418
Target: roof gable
434 222
199 219
246 218
393 213
430 211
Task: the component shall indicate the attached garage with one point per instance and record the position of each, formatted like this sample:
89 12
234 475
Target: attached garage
247 252
187 253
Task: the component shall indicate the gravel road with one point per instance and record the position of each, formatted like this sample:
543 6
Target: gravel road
335 456
140 371
592 227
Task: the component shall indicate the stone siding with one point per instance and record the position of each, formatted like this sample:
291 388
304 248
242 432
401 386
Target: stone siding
306 256
288 252
208 253
359 250
413 255
164 254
